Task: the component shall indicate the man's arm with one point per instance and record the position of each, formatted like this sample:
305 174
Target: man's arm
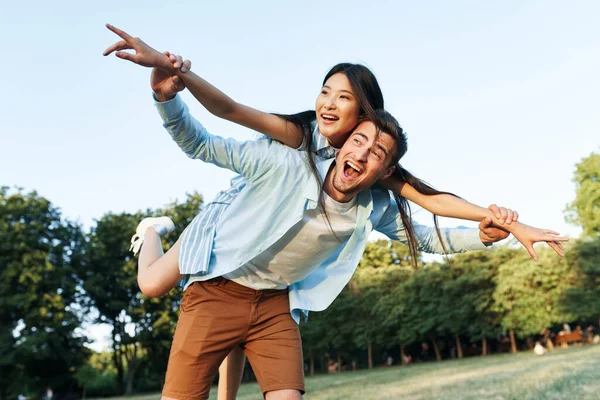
250 159
456 240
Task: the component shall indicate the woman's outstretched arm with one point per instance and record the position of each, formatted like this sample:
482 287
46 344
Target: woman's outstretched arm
168 81
446 205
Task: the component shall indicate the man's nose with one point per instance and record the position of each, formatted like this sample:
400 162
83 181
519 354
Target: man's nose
362 154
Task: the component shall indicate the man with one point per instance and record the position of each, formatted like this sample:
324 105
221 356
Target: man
274 237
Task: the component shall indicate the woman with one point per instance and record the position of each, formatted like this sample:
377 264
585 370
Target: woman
349 93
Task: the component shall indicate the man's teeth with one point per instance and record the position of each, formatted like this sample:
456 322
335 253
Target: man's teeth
354 167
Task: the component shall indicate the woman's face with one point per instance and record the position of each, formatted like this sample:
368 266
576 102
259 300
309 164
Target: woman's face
337 109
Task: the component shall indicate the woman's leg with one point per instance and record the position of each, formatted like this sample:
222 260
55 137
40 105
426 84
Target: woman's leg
158 272
230 374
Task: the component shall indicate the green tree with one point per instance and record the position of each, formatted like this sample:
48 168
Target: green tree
457 306
38 295
314 338
413 306
585 210
473 287
97 376
528 295
339 329
383 264
583 298
109 275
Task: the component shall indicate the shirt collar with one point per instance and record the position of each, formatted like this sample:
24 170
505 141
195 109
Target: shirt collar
320 141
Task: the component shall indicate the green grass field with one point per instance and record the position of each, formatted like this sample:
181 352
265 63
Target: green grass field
572 373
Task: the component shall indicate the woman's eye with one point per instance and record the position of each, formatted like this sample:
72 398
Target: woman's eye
344 97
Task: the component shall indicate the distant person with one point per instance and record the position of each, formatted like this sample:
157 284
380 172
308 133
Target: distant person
332 367
539 349
48 394
425 356
590 333
389 361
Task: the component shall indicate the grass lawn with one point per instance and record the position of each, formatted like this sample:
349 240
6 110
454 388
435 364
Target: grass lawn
572 373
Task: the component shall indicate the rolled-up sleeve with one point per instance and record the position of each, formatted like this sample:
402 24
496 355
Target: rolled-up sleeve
456 240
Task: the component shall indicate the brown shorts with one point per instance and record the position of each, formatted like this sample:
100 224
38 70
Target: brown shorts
218 315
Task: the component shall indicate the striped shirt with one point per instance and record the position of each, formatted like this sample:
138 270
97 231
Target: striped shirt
197 241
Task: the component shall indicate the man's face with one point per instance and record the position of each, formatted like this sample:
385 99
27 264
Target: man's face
363 160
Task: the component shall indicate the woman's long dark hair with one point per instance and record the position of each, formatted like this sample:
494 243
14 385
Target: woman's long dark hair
370 99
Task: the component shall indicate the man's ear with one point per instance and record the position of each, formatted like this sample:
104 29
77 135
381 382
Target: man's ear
388 172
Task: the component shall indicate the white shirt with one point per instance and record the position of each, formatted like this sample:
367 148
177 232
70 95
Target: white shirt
298 252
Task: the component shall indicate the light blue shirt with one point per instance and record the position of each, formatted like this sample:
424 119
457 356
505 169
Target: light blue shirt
197 239
280 188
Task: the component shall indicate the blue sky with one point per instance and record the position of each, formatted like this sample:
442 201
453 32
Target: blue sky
499 99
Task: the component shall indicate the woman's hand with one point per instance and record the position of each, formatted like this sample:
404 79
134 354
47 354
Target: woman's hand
144 55
525 234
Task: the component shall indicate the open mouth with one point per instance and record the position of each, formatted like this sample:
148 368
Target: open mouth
329 118
351 170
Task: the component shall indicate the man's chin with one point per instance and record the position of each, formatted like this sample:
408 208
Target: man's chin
345 189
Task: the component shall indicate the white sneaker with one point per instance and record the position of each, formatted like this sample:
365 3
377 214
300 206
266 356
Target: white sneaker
162 226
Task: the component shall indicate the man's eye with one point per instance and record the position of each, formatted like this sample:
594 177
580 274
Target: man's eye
376 154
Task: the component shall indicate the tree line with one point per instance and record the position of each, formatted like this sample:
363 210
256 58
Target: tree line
56 279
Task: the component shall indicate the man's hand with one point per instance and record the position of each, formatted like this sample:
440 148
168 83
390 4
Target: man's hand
489 233
178 63
144 55
164 85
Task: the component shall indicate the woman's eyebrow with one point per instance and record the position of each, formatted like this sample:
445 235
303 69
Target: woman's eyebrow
343 90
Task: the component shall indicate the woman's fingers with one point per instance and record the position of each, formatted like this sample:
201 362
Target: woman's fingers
557 248
124 35
126 56
122 45
186 66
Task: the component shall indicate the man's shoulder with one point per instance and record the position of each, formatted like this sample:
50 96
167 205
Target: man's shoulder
380 195
283 156
383 203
